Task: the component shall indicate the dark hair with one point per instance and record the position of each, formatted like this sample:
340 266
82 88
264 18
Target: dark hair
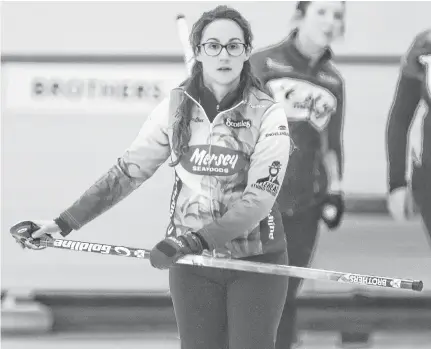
181 128
302 6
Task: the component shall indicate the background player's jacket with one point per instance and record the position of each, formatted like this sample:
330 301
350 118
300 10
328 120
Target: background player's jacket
217 190
313 96
414 85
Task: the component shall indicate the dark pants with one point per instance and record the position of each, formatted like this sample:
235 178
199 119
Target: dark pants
421 187
301 232
227 309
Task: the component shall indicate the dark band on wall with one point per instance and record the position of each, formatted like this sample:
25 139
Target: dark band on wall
170 59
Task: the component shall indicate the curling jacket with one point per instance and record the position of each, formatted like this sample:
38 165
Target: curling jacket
313 98
226 183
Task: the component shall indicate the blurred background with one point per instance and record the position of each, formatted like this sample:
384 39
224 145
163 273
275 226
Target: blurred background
78 80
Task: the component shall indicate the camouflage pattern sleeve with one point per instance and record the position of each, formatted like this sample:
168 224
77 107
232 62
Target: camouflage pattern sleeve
149 150
267 169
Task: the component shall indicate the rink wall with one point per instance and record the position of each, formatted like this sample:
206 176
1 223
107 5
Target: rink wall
65 119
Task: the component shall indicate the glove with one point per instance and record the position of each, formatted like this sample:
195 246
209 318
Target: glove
22 233
401 204
333 210
169 250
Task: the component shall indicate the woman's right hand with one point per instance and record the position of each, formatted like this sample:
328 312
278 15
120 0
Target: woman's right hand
46 228
27 233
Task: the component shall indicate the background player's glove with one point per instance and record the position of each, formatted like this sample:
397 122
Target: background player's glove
169 250
401 204
333 209
22 233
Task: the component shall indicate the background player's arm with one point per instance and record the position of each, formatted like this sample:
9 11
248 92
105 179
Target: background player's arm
149 150
334 152
405 102
257 200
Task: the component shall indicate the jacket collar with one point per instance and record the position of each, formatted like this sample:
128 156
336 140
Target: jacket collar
228 101
204 95
293 52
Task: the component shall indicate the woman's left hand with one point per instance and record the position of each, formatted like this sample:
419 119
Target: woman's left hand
170 249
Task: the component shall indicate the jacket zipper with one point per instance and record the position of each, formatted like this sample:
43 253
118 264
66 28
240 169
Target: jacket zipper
210 134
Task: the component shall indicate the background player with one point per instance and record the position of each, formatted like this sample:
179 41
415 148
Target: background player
414 85
300 74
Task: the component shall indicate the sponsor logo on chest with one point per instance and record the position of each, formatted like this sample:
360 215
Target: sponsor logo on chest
243 123
213 160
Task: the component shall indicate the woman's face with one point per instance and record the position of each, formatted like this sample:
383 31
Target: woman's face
323 22
222 65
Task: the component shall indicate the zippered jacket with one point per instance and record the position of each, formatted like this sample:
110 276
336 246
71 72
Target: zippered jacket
225 185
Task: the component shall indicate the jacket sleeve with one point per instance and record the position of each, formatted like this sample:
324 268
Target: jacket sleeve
149 150
401 115
405 102
272 149
335 150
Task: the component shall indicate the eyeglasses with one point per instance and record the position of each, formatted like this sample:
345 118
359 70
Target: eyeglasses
213 49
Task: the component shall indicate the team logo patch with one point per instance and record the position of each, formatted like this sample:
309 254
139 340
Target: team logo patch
244 123
214 160
304 101
270 183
